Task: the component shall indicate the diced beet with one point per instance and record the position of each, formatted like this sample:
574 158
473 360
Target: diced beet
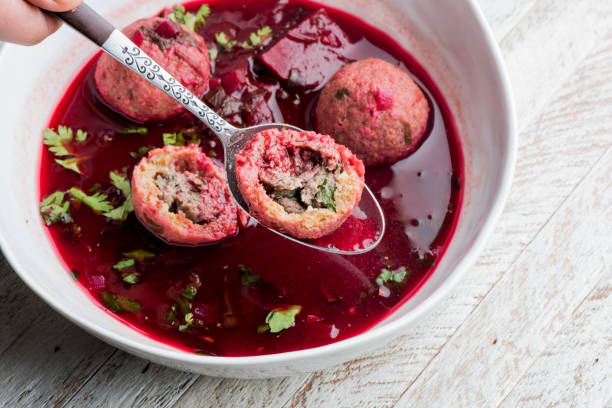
310 53
235 80
384 99
213 83
138 37
167 29
256 108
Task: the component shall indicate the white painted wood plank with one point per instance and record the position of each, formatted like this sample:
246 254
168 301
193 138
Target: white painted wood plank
547 45
576 368
128 381
533 300
503 16
552 161
274 392
48 362
19 306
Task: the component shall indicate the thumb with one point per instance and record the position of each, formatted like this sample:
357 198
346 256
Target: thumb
56 5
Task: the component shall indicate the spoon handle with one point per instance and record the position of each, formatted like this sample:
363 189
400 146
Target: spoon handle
93 26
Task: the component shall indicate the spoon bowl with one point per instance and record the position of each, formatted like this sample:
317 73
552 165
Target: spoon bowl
89 23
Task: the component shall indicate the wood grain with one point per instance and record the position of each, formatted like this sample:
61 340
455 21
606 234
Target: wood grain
560 71
533 300
574 370
128 381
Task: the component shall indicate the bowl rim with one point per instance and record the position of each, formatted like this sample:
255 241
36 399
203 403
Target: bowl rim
376 333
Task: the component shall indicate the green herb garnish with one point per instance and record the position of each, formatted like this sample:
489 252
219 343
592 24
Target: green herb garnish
96 202
188 19
110 301
258 38
132 278
133 130
54 209
139 254
126 263
188 322
224 41
387 275
57 145
122 183
128 304
118 303
281 319
74 274
141 152
178 139
56 140
247 276
325 195
189 292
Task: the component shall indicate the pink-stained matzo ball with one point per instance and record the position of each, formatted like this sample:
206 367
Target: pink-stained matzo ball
301 183
182 196
375 109
179 50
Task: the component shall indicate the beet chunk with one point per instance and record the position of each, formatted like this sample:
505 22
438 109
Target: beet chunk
310 53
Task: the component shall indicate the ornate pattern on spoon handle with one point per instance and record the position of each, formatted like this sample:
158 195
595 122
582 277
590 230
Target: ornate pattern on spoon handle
126 52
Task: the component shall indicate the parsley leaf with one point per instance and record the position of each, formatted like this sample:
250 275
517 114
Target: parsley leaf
281 319
96 202
189 292
128 304
188 19
139 254
117 303
54 209
247 277
141 152
178 139
57 139
224 41
121 213
188 322
133 130
132 278
70 164
258 38
121 183
81 136
126 263
387 275
110 301
325 195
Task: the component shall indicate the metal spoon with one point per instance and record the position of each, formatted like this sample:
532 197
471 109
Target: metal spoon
93 26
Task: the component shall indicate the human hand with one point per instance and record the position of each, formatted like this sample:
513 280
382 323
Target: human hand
23 22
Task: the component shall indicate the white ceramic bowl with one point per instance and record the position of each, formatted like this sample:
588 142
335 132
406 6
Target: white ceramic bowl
449 37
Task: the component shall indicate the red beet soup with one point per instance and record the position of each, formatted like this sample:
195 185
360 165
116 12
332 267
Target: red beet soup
253 293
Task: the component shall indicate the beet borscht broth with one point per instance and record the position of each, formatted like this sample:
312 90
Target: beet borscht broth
253 292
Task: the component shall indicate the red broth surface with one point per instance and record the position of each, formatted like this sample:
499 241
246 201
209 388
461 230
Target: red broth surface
339 296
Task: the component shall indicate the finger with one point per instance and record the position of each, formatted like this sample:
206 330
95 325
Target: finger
56 5
39 24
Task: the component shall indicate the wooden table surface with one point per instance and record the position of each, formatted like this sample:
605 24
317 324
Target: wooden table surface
529 325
